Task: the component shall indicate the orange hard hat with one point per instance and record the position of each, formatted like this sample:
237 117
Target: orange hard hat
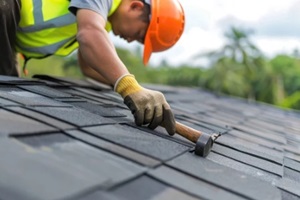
165 27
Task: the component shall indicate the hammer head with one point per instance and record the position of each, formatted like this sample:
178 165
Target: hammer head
204 145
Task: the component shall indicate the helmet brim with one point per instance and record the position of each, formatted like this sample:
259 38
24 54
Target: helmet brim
147 47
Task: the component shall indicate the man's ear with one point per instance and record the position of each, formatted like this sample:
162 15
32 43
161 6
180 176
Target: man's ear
136 5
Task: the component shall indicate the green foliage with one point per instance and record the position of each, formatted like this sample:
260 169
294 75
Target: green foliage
288 67
292 101
235 66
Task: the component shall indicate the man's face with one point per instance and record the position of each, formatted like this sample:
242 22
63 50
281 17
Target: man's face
131 29
129 23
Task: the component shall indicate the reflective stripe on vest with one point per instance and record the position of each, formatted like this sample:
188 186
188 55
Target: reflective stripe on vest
47 27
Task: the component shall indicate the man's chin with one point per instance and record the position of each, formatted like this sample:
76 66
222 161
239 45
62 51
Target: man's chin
115 32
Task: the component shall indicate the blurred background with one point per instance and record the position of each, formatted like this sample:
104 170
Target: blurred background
248 49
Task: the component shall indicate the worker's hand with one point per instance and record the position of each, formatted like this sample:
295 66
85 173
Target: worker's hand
147 106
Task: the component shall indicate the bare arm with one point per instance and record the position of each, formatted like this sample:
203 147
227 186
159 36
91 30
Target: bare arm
95 48
90 72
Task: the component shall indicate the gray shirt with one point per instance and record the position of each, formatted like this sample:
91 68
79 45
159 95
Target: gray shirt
101 7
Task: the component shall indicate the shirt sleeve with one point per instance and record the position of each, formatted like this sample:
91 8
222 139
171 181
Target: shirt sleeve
101 7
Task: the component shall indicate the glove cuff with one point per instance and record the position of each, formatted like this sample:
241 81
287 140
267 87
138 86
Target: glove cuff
126 85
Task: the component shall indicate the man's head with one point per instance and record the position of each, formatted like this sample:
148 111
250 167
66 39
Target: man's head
158 24
131 20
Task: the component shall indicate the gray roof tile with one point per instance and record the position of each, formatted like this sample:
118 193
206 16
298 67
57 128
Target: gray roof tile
42 118
147 188
44 90
114 148
27 98
98 109
54 167
74 116
192 185
243 167
6 102
224 177
143 142
76 140
13 124
258 162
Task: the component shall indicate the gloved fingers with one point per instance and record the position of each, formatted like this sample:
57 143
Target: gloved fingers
157 117
149 115
139 117
130 104
168 119
138 114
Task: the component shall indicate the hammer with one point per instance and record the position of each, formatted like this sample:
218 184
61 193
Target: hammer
203 141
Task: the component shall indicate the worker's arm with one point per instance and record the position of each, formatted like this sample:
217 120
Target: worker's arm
90 72
97 51
95 47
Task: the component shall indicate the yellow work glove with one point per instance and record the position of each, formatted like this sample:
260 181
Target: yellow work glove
147 106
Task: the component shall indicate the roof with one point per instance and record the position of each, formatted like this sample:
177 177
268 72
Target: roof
75 139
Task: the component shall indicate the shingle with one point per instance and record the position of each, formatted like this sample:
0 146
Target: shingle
288 196
289 185
191 184
292 156
75 116
102 95
291 149
43 118
194 107
188 107
293 139
98 195
161 132
6 102
89 98
59 169
291 174
114 148
251 148
98 109
227 178
146 188
234 105
12 123
139 141
179 95
45 140
45 91
70 100
227 117
259 163
271 126
202 126
208 120
292 164
242 167
69 81
261 133
27 98
260 141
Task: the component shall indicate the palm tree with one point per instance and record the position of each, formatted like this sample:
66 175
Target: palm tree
234 67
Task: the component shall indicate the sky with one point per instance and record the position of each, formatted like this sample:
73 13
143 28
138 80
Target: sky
276 26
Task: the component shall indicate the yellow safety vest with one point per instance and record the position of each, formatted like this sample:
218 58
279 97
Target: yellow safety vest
47 27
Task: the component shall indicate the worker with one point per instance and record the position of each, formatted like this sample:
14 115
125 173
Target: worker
39 28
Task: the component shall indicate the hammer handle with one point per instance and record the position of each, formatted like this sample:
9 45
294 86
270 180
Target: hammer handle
187 132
